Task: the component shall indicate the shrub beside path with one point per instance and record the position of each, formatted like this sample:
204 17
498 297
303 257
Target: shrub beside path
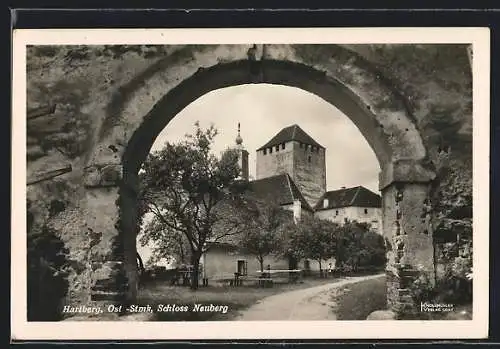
312 303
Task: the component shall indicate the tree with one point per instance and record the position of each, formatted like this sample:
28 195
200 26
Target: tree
313 238
359 247
185 186
263 221
166 243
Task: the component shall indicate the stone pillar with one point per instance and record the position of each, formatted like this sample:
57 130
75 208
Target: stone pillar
112 257
407 229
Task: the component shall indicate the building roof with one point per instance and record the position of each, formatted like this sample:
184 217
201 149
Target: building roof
291 133
345 197
280 187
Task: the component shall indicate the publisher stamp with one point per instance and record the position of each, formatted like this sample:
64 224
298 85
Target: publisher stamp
436 307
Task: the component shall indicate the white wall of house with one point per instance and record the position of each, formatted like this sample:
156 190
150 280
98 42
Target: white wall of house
223 264
371 215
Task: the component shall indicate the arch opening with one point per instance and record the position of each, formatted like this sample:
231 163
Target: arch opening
393 137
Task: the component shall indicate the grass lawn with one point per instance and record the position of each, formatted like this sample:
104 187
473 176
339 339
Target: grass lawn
236 298
356 301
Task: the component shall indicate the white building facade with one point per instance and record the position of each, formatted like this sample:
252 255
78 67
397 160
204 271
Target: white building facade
351 204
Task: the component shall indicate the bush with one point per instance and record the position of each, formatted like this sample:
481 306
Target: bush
454 286
46 276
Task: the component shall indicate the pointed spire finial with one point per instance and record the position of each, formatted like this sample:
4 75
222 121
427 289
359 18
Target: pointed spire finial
239 140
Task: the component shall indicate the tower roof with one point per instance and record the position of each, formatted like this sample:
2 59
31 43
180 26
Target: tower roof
291 133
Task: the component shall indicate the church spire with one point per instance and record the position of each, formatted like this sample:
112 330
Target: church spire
242 156
239 140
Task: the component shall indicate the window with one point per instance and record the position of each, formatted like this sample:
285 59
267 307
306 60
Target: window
242 267
366 211
312 148
271 150
277 148
309 158
336 212
282 145
265 151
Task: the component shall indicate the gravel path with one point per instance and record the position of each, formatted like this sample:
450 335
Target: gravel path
312 303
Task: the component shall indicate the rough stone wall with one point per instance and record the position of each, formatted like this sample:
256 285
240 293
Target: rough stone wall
275 163
307 168
80 81
436 82
409 101
309 172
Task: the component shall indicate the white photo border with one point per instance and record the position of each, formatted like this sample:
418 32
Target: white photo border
476 328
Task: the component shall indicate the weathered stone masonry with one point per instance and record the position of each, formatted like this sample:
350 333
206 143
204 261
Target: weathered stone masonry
409 102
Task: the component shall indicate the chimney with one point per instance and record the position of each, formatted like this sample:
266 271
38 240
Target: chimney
325 203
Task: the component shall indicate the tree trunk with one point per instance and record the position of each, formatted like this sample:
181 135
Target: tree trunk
140 262
320 268
261 263
195 262
182 255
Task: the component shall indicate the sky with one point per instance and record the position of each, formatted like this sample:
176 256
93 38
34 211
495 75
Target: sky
263 110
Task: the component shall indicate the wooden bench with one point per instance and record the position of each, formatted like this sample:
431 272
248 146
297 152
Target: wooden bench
264 282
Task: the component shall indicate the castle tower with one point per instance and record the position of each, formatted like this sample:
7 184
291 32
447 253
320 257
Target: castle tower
294 152
242 156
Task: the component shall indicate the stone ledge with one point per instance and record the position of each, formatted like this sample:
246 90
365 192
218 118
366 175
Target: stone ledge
103 175
405 171
107 296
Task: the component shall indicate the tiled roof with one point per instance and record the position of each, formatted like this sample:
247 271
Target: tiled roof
291 133
356 196
280 188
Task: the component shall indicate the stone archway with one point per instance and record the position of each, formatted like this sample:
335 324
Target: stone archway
144 106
